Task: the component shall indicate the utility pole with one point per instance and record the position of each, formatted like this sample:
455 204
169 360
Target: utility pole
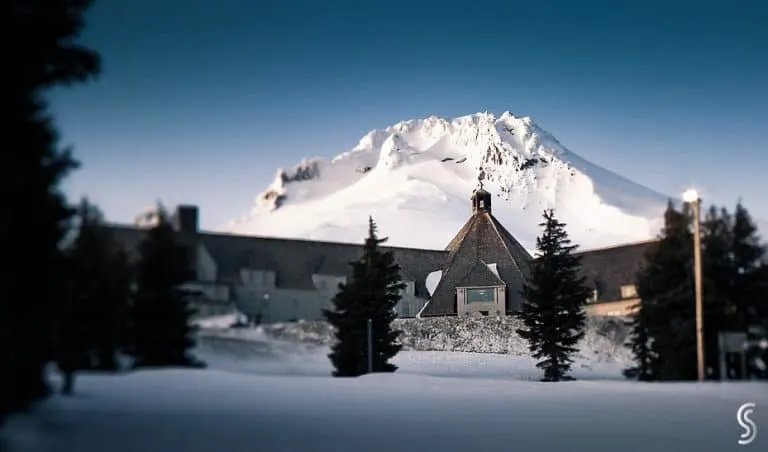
370 346
692 197
697 282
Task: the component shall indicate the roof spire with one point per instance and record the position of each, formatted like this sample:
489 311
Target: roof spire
481 199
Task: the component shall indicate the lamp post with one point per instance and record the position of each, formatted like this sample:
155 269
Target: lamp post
265 308
692 197
370 345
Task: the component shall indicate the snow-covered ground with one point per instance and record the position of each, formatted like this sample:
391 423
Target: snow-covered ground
276 357
212 410
266 394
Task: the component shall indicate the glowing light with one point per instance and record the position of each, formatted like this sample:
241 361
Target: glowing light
691 195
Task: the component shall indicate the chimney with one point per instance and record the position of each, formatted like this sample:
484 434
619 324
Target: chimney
186 219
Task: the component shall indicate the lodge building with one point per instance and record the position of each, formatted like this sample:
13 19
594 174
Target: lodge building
480 272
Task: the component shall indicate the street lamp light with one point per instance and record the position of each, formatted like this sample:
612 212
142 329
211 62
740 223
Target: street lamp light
692 197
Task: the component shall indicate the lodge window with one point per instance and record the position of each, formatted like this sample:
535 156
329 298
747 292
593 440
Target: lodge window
484 295
628 291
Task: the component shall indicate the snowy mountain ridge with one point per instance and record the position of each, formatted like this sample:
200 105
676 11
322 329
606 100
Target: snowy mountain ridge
415 178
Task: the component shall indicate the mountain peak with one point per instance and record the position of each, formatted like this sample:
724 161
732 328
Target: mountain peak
149 216
417 174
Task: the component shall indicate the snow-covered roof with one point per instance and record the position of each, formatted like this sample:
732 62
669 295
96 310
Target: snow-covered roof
433 279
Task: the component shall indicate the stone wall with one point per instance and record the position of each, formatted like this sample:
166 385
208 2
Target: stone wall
604 339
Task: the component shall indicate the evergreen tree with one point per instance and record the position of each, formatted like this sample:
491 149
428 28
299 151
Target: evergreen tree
554 296
719 276
41 53
717 261
759 289
750 285
372 293
664 339
758 357
98 288
641 344
748 261
731 263
731 259
161 329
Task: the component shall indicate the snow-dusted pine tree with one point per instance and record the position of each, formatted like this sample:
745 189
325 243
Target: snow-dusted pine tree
372 293
664 342
554 296
93 306
162 333
41 51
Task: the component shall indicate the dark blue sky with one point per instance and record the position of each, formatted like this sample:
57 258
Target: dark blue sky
201 101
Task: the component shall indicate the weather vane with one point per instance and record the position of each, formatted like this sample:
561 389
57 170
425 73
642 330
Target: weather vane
481 177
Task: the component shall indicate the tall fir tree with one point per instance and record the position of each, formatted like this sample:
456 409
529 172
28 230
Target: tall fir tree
96 301
162 333
373 293
749 255
41 53
759 306
721 280
750 288
731 261
757 356
641 344
554 298
663 338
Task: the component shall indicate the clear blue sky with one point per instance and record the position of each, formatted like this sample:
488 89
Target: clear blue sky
200 100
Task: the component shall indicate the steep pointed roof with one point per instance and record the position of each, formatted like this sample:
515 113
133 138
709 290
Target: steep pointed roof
472 225
482 241
481 275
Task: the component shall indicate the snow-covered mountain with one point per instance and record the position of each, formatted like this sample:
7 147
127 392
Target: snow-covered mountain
149 217
415 178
